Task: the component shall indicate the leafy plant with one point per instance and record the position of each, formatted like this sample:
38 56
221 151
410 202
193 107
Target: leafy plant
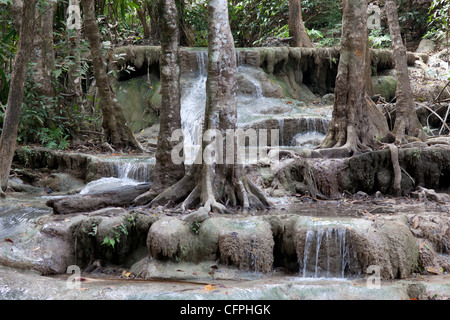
118 231
379 40
195 226
438 20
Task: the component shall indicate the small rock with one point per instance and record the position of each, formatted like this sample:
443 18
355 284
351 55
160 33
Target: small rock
378 195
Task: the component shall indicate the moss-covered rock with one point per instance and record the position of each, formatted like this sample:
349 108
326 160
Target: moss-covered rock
385 86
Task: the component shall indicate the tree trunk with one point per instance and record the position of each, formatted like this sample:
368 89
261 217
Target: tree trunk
74 88
43 54
214 184
116 131
356 122
11 121
296 27
143 18
116 197
167 172
406 121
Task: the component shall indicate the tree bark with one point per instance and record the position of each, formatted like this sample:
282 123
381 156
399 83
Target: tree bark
11 121
43 54
116 131
74 88
167 172
356 122
296 27
143 18
406 121
118 197
214 185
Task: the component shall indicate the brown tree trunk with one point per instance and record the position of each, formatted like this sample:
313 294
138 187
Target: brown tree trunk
11 121
116 131
356 122
167 172
296 27
213 184
406 121
143 18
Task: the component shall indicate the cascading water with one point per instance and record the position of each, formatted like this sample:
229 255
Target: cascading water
326 253
124 172
314 133
193 103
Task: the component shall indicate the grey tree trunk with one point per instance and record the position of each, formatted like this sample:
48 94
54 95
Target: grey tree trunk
43 54
116 131
213 185
406 121
356 122
297 29
74 89
15 98
167 172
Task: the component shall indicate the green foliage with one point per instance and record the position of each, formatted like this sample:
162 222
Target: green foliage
196 17
195 226
412 17
321 14
379 40
438 20
253 21
118 231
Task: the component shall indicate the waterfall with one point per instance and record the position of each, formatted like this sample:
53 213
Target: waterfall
122 172
326 253
281 126
137 171
257 90
192 112
312 132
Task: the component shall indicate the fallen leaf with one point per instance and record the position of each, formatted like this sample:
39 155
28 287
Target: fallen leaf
126 273
315 219
179 270
82 289
415 222
433 270
9 240
209 287
195 273
36 249
422 244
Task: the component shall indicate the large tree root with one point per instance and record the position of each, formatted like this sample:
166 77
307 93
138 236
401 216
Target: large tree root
397 170
203 188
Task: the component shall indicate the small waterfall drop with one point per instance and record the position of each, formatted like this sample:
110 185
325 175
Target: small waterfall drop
123 172
313 132
326 253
